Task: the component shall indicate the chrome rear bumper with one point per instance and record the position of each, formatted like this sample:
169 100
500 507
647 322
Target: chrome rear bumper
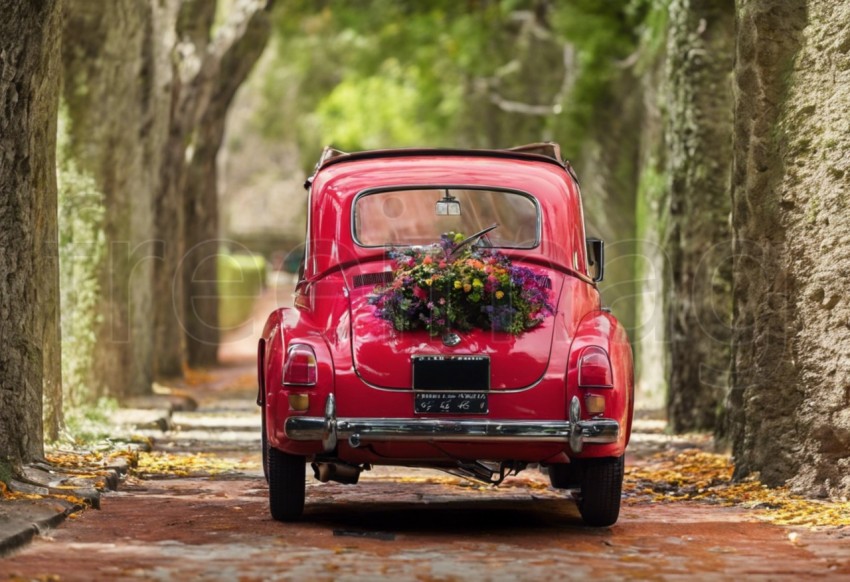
364 430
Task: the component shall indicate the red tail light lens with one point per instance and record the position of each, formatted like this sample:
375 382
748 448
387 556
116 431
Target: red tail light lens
300 367
594 368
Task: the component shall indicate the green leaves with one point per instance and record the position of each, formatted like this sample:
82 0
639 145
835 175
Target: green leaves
391 73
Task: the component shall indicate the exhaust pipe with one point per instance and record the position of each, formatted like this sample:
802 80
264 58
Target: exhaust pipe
339 472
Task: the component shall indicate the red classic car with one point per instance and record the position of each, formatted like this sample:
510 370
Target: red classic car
447 315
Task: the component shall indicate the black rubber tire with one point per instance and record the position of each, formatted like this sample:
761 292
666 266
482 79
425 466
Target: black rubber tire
286 485
601 490
565 475
265 447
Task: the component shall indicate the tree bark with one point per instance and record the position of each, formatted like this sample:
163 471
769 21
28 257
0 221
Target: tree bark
700 59
790 402
29 88
116 70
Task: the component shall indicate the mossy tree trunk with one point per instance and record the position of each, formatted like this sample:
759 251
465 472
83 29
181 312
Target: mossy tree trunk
790 403
29 273
700 59
116 71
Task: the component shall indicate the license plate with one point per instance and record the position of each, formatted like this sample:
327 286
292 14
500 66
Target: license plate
450 402
459 373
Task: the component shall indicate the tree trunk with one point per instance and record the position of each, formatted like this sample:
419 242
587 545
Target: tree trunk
208 73
189 55
29 88
790 403
700 59
199 265
116 70
200 192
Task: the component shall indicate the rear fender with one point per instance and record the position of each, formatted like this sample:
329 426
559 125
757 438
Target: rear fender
268 346
600 328
285 327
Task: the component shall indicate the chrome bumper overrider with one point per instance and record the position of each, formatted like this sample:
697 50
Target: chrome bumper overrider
363 430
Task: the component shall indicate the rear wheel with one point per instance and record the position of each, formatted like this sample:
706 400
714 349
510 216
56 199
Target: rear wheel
601 489
286 485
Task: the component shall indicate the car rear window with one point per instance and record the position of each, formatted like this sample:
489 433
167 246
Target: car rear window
406 217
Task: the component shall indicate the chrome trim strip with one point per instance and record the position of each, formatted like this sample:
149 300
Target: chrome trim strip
363 430
493 391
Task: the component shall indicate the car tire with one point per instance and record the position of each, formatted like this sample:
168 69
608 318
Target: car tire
601 490
286 485
565 475
265 447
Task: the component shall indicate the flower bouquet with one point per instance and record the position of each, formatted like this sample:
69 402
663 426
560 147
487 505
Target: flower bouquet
444 287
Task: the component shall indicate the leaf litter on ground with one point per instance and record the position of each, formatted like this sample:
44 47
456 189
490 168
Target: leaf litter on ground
700 476
165 464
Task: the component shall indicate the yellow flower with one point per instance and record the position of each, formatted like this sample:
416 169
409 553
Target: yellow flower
500 294
458 284
429 280
477 283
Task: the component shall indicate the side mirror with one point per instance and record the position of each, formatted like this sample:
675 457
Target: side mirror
596 258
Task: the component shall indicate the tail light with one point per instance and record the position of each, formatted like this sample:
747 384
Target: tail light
594 369
299 367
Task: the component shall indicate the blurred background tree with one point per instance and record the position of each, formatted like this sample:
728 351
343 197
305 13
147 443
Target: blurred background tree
146 90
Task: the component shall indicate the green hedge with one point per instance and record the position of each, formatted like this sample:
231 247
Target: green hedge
241 277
